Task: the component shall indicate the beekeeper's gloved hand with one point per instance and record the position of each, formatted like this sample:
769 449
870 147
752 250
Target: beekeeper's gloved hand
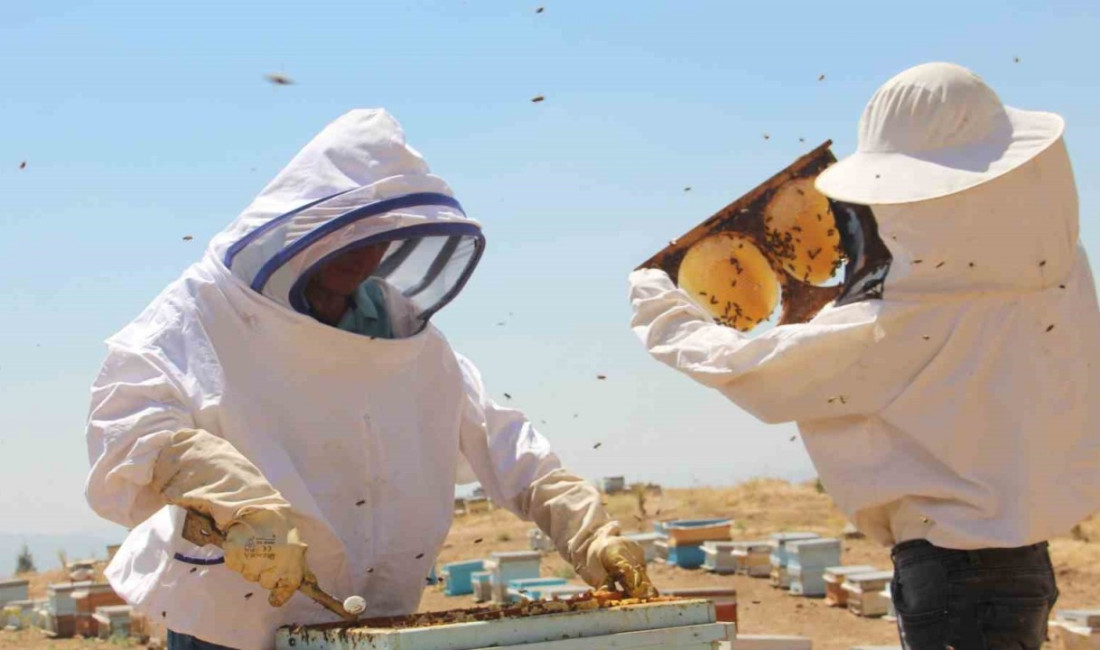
624 562
205 473
569 510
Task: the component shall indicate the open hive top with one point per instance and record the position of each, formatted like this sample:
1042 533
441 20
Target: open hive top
584 602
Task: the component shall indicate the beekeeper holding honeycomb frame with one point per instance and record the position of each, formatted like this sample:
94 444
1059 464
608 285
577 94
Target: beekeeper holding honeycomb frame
950 410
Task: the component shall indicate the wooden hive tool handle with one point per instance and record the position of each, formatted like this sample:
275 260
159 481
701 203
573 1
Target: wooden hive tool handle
199 529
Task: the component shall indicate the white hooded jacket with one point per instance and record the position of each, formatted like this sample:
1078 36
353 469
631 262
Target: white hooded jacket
960 408
365 438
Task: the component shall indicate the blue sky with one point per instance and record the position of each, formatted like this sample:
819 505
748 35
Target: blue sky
144 122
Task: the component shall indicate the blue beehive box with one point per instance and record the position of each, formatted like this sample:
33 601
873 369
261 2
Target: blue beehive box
780 541
806 581
458 577
690 556
814 553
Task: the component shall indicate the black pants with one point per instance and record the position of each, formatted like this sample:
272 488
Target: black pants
987 599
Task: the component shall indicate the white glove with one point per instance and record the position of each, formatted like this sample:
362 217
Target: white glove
202 472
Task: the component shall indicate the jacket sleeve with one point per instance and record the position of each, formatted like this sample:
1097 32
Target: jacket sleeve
836 365
136 407
518 471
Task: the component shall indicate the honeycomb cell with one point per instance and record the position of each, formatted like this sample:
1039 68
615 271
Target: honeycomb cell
801 232
729 275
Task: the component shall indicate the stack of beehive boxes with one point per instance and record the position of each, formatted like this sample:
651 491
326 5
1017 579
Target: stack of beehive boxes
779 556
806 562
60 614
686 538
88 600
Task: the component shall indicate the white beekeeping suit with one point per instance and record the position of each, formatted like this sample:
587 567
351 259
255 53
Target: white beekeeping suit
960 407
363 437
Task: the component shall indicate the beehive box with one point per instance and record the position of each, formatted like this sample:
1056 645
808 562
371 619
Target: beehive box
865 593
718 557
88 600
14 589
563 625
753 558
806 564
59 597
457 577
814 553
685 556
780 542
512 565
835 596
113 621
697 531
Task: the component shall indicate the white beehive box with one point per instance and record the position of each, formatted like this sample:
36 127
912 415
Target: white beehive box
684 625
512 565
718 557
59 597
865 593
113 621
835 596
14 589
753 558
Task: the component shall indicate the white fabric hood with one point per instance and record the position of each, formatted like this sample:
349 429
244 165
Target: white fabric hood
356 183
960 407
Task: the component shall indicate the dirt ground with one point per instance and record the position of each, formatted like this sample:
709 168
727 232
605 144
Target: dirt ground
757 508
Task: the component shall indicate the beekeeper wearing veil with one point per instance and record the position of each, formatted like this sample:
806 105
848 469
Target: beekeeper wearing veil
291 386
950 409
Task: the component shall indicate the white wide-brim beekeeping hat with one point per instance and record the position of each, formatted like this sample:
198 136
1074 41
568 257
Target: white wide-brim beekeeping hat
934 130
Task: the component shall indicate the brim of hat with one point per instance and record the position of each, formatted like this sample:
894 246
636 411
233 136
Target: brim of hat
888 178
